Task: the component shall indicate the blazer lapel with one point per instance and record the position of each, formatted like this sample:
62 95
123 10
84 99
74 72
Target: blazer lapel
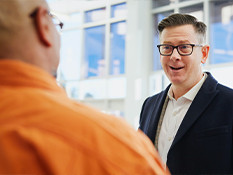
155 114
199 104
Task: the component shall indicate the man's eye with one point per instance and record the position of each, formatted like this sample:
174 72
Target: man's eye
183 47
166 47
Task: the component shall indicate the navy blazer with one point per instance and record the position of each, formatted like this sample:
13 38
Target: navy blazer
203 143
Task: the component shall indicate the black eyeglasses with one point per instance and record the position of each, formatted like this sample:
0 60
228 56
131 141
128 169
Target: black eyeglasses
55 19
183 49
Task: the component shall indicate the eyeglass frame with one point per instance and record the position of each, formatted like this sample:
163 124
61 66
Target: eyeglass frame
60 24
177 48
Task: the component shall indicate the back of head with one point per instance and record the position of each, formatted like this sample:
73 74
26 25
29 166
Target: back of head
14 16
28 34
178 19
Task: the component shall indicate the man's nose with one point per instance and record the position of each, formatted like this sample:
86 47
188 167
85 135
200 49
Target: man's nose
175 55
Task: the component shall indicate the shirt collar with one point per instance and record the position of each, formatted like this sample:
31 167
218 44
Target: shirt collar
190 95
21 74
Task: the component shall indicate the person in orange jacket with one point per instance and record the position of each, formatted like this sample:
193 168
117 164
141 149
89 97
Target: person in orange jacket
42 131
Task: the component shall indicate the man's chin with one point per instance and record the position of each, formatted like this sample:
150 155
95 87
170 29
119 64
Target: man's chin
176 80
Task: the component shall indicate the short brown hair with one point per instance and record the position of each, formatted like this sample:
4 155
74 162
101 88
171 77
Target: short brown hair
178 19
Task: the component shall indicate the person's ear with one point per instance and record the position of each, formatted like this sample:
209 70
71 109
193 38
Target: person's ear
205 52
43 26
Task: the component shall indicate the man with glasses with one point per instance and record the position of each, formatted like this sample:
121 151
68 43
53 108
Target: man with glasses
42 131
191 121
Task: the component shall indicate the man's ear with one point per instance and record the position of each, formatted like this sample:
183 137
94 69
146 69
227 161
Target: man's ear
43 26
205 52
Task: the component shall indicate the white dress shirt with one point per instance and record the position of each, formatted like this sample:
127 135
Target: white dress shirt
174 114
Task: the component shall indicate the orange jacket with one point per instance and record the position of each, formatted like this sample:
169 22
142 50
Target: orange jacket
42 131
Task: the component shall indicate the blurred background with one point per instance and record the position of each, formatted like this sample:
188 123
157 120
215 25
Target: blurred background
109 58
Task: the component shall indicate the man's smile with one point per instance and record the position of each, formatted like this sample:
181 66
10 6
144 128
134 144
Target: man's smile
176 68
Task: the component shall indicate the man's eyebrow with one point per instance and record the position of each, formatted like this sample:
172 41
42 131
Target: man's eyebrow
180 42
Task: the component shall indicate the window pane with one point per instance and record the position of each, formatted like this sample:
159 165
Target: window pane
117 51
159 3
94 51
118 10
95 15
221 32
156 59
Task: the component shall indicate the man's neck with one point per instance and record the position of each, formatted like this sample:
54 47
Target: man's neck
181 89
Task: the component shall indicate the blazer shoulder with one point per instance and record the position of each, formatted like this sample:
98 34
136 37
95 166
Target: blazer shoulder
152 98
211 85
224 90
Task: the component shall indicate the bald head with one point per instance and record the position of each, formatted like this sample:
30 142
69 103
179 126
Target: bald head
14 15
32 39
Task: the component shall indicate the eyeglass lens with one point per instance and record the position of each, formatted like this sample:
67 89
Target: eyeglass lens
56 22
184 49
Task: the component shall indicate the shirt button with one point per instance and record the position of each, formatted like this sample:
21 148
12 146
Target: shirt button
169 139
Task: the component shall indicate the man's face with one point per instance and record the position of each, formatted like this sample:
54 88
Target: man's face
182 71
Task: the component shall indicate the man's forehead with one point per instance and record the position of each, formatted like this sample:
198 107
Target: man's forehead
178 38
